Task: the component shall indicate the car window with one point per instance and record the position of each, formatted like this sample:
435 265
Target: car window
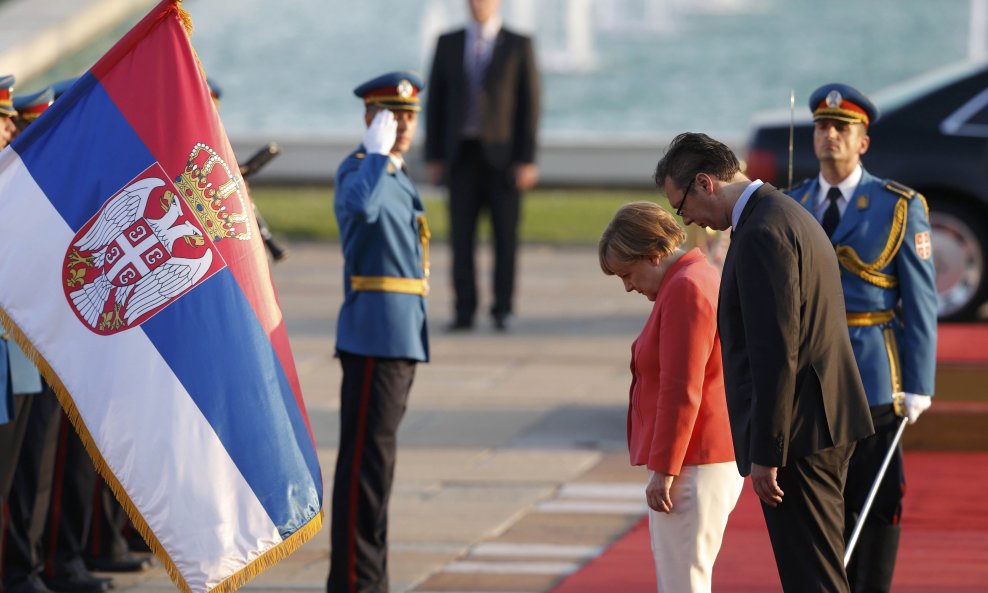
893 97
971 119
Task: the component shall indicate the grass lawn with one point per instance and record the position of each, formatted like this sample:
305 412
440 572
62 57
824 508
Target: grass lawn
557 216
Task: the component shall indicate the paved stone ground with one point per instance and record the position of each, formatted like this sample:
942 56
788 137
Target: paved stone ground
512 468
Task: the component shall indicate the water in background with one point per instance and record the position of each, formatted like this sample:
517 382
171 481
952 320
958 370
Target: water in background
611 69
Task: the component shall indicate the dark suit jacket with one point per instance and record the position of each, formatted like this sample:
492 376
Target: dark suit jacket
509 105
792 384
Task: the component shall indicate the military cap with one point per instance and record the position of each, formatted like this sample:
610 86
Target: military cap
30 107
394 90
6 89
61 86
842 102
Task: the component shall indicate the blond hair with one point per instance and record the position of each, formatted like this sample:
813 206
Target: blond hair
639 229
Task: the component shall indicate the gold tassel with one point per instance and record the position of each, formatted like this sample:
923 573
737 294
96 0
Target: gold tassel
185 17
230 584
270 557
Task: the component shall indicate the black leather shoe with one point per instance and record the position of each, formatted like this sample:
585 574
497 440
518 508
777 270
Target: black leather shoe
79 583
32 584
460 325
123 563
501 323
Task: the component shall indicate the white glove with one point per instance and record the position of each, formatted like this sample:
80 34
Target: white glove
381 133
915 405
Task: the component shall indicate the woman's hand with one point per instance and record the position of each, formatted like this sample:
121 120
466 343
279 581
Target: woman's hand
658 493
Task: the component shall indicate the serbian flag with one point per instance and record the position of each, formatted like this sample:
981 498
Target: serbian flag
132 271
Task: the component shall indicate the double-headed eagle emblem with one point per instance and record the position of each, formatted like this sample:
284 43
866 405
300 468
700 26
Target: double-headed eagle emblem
128 264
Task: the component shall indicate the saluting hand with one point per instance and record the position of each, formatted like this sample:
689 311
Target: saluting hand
658 493
763 480
381 133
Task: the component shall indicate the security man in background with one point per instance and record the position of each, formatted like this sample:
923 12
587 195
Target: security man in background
881 232
381 333
481 139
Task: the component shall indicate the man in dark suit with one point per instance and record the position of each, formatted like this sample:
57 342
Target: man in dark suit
795 399
481 124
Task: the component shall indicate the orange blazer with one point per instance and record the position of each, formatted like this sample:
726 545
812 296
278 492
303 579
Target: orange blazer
677 412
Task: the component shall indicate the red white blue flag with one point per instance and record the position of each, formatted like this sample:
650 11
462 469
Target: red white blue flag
132 271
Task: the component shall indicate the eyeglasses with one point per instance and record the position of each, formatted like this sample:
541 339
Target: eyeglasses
689 186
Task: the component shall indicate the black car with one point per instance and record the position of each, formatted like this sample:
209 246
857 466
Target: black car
931 136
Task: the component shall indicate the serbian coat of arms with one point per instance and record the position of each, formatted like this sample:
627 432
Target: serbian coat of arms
145 248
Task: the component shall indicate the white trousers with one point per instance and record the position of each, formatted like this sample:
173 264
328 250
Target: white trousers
685 542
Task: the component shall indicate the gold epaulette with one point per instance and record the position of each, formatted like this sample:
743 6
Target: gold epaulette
907 192
359 155
903 190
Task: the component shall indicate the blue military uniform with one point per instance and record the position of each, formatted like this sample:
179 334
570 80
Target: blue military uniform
884 248
385 241
381 335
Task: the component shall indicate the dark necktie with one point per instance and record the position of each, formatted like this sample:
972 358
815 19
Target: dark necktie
476 70
832 216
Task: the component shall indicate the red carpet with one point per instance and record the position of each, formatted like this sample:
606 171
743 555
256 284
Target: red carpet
944 540
962 343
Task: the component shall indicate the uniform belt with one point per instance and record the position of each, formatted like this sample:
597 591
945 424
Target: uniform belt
419 286
864 318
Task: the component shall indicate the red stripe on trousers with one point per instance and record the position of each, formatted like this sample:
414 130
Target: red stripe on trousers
96 524
56 496
355 474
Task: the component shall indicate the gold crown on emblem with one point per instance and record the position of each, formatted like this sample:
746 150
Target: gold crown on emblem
215 195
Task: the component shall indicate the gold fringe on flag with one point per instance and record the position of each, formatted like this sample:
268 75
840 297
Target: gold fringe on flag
184 16
267 559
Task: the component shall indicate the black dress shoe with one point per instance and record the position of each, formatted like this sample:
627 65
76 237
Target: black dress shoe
460 325
79 583
501 323
32 584
123 563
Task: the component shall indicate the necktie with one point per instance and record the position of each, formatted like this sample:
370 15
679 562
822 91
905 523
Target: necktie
476 70
832 216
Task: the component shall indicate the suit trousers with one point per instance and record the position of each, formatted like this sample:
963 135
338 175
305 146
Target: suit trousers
373 399
807 528
474 184
873 561
686 541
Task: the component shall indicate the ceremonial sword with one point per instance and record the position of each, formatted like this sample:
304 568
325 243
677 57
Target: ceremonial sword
849 549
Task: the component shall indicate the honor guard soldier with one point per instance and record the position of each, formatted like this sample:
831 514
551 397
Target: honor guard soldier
30 107
13 408
7 111
60 87
53 484
381 333
881 232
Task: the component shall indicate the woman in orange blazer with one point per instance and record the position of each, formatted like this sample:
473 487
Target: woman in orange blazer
677 416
